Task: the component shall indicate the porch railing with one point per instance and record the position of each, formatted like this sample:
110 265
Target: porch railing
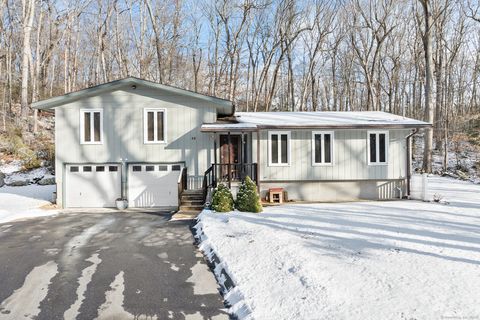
182 183
227 173
208 182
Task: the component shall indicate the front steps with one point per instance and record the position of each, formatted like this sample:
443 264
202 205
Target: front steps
191 204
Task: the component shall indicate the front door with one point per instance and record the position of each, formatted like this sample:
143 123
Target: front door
230 155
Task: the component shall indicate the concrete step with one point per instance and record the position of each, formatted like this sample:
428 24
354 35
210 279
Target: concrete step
192 191
191 197
190 208
185 215
190 202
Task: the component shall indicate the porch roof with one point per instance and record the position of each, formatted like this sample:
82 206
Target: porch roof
252 121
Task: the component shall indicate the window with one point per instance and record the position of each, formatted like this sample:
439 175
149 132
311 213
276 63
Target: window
279 148
377 147
112 168
100 169
137 168
149 168
91 126
322 148
176 167
154 125
162 168
87 169
74 169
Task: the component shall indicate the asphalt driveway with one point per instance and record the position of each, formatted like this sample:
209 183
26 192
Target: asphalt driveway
111 265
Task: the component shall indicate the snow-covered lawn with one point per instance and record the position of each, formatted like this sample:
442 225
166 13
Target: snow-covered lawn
362 260
25 202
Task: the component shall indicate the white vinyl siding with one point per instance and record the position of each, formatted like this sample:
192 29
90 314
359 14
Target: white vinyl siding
154 125
279 148
123 137
323 148
377 145
350 156
91 126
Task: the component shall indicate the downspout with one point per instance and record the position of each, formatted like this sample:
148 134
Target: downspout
409 159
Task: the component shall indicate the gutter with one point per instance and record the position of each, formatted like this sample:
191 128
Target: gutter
409 159
254 128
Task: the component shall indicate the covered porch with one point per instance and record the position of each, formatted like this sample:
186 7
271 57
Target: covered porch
233 156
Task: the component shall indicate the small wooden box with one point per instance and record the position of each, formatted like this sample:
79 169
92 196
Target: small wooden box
275 195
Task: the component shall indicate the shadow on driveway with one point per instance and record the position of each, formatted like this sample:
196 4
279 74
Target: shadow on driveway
107 265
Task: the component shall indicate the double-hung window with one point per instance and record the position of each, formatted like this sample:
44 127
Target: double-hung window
154 125
322 148
91 126
377 147
279 148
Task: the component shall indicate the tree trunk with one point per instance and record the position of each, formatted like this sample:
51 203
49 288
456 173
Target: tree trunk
429 106
28 14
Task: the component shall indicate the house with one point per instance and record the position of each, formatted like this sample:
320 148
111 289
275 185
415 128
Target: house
149 143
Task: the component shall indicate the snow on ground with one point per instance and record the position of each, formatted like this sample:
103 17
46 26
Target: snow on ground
11 167
28 176
362 260
25 202
467 159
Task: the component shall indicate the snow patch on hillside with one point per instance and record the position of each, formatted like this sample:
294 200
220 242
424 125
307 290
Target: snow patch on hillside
463 164
11 167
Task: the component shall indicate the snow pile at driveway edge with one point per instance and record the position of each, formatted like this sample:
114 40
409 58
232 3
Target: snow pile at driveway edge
231 293
19 203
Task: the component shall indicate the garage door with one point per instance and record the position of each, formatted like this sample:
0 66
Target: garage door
153 185
92 185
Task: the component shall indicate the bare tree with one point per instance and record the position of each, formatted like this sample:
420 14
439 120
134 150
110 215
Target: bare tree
414 58
429 105
28 13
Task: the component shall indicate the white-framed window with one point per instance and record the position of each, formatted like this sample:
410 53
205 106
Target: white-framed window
322 148
91 126
279 148
155 125
377 143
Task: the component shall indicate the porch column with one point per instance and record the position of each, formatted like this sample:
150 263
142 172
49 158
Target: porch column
258 161
243 150
214 147
242 170
229 142
214 169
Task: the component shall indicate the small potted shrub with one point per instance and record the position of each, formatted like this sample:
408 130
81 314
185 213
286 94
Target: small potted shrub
121 203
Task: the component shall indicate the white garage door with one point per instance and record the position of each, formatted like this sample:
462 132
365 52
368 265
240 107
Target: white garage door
153 185
92 185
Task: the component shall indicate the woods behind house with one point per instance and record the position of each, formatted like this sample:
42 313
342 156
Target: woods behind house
418 58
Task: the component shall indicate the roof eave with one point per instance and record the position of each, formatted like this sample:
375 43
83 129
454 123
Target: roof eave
226 106
226 128
77 95
349 126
